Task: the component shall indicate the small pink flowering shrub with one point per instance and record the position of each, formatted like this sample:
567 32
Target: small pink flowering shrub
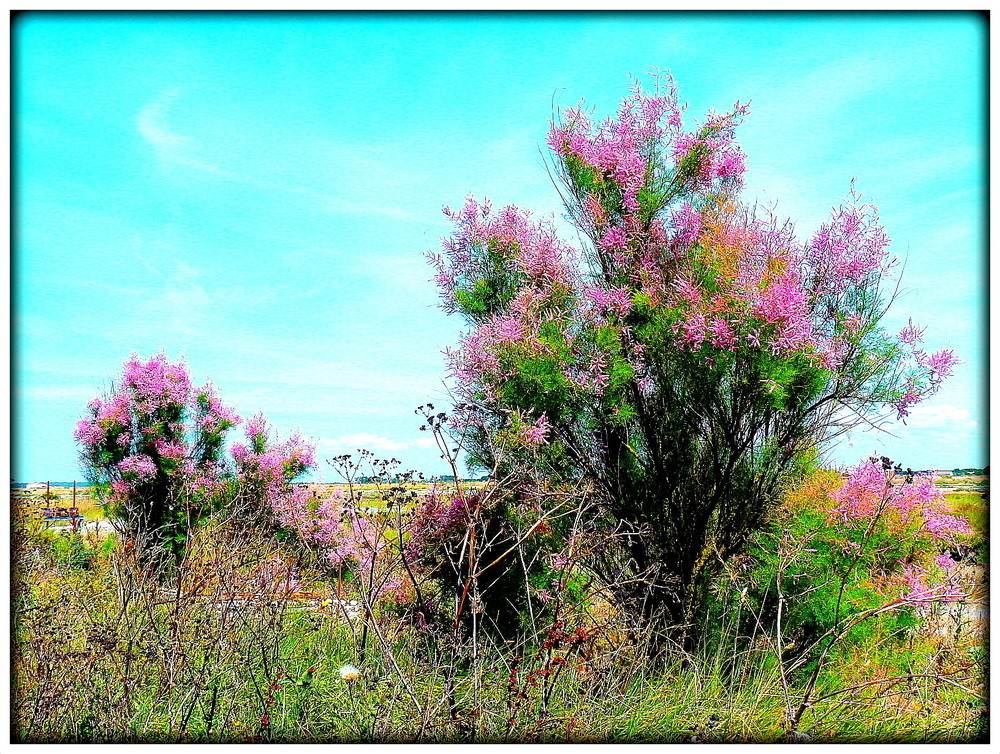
488 547
155 448
444 558
264 470
880 539
355 539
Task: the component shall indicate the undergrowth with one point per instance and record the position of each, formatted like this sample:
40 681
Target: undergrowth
246 643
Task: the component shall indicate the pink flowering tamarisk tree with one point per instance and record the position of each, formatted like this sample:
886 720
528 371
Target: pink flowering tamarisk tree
686 356
154 447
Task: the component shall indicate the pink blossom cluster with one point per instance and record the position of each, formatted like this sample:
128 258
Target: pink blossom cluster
864 492
613 300
318 524
541 282
931 369
716 158
346 539
913 508
624 157
136 469
173 451
940 365
759 296
202 482
768 291
537 433
480 352
439 518
621 149
157 437
111 419
848 249
265 471
591 377
624 151
343 537
686 224
943 525
912 334
485 242
213 417
256 431
870 491
360 543
155 384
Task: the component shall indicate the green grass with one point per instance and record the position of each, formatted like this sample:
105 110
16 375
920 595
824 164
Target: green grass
168 699
104 654
972 506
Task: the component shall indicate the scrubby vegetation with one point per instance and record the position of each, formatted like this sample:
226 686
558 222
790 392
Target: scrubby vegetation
247 638
657 555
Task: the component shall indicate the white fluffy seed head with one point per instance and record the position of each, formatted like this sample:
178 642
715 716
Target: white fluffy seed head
349 673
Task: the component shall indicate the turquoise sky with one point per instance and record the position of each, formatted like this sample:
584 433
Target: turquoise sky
254 193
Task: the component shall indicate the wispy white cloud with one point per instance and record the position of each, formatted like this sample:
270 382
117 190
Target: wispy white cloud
369 441
172 298
151 121
340 178
76 393
184 300
319 405
171 148
363 440
820 94
943 416
296 371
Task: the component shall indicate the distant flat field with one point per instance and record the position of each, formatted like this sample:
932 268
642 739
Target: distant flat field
969 503
972 505
62 497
